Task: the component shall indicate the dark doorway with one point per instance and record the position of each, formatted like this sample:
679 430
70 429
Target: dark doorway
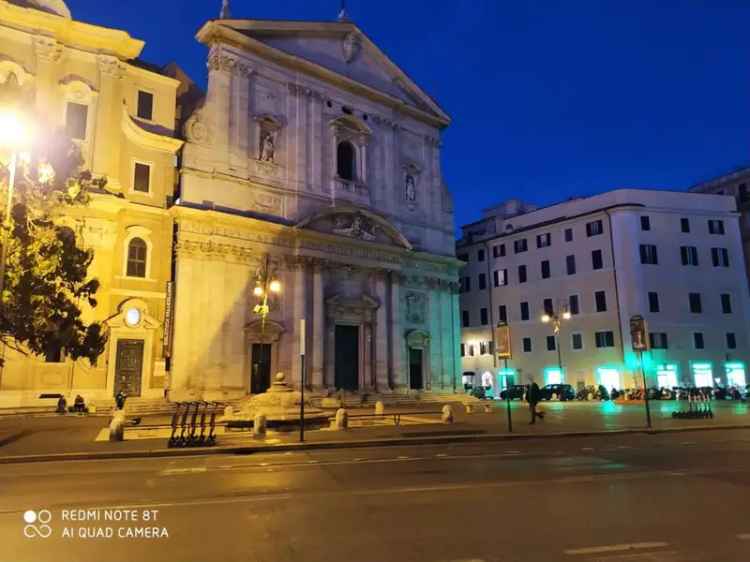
260 378
128 367
347 357
415 369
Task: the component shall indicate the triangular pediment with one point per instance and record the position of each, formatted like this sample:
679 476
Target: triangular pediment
341 48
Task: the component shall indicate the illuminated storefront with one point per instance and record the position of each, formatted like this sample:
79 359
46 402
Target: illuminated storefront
735 374
666 375
703 374
608 377
553 375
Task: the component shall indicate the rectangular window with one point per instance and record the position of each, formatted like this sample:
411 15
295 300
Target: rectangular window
695 303
551 343
545 269
465 318
502 314
658 340
689 255
483 316
498 251
549 308
601 301
568 234
645 223
76 118
480 255
520 246
500 277
482 348
573 305
463 350
726 303
685 224
142 177
543 240
597 262
698 340
522 274
471 350
524 311
465 284
731 341
482 281
648 254
576 341
715 226
594 228
145 105
570 265
527 345
604 339
653 302
720 257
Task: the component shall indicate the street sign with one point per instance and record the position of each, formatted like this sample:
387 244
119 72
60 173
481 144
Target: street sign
502 341
638 333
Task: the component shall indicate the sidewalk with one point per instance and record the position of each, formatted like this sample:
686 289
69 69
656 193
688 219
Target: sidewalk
72 437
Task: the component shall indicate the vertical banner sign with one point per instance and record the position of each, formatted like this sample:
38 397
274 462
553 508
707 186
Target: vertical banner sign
168 313
502 341
302 334
638 334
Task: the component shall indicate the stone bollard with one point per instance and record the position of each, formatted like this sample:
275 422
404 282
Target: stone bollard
447 416
379 408
342 419
469 408
487 408
117 426
259 426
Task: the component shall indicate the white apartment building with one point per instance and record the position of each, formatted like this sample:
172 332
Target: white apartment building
674 258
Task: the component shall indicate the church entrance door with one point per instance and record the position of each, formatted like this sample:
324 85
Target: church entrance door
415 369
260 380
347 358
128 367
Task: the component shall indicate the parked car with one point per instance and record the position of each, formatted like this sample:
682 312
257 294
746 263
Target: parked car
516 392
562 391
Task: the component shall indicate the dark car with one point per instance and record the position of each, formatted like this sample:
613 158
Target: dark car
563 392
516 392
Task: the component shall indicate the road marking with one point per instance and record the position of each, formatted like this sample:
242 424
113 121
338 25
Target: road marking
175 471
615 548
744 536
441 455
313 462
513 452
402 458
624 447
688 443
358 459
587 449
263 464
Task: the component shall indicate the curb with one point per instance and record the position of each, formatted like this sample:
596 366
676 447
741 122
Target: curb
363 443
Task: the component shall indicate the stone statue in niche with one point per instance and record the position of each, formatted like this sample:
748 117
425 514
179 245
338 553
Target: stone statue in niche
351 46
410 190
415 307
267 146
355 226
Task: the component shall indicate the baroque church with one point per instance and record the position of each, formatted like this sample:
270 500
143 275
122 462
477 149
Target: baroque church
311 166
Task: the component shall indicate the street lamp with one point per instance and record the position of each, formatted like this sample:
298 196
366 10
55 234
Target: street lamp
266 284
556 318
15 134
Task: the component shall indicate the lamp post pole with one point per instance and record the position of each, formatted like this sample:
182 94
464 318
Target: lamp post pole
556 319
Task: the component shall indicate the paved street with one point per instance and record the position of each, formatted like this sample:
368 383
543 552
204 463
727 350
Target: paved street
678 497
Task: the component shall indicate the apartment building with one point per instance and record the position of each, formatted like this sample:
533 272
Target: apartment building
592 263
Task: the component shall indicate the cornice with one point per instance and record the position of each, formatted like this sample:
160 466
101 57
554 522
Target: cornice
147 139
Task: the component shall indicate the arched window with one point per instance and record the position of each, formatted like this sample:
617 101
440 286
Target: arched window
137 251
345 160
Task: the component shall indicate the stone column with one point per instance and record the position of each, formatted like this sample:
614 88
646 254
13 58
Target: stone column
318 333
381 334
240 149
217 107
48 52
398 370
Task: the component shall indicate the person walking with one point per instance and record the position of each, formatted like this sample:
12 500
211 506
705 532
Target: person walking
533 397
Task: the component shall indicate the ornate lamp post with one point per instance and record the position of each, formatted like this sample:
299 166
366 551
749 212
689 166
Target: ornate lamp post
266 285
556 319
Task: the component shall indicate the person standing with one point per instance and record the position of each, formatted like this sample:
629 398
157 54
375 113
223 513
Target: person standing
534 395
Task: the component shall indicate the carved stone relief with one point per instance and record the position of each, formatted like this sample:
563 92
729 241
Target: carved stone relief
416 307
355 226
351 46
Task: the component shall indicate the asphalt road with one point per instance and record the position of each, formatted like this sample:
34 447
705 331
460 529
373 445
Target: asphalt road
680 497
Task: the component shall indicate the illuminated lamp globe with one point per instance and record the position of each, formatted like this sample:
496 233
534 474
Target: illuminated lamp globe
566 315
132 317
15 133
258 291
275 286
546 318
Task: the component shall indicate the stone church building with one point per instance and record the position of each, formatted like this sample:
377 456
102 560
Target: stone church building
315 161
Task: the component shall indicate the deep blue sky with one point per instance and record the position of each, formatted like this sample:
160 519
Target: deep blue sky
549 99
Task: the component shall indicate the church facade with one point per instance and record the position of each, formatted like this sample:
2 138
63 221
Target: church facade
313 161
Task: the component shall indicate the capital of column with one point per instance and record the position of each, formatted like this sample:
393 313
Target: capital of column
111 66
47 49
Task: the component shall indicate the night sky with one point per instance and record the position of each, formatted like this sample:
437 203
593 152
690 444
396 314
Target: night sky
549 99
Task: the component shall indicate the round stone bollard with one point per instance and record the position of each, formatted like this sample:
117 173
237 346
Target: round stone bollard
379 408
487 408
117 426
447 416
259 426
469 408
342 419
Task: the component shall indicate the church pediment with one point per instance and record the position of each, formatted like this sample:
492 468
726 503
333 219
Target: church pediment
339 47
353 222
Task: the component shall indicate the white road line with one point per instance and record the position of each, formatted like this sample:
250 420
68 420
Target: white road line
174 471
313 462
688 443
441 455
402 458
624 447
263 464
615 548
587 448
513 452
744 536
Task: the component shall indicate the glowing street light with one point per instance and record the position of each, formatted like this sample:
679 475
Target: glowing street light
556 318
266 285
